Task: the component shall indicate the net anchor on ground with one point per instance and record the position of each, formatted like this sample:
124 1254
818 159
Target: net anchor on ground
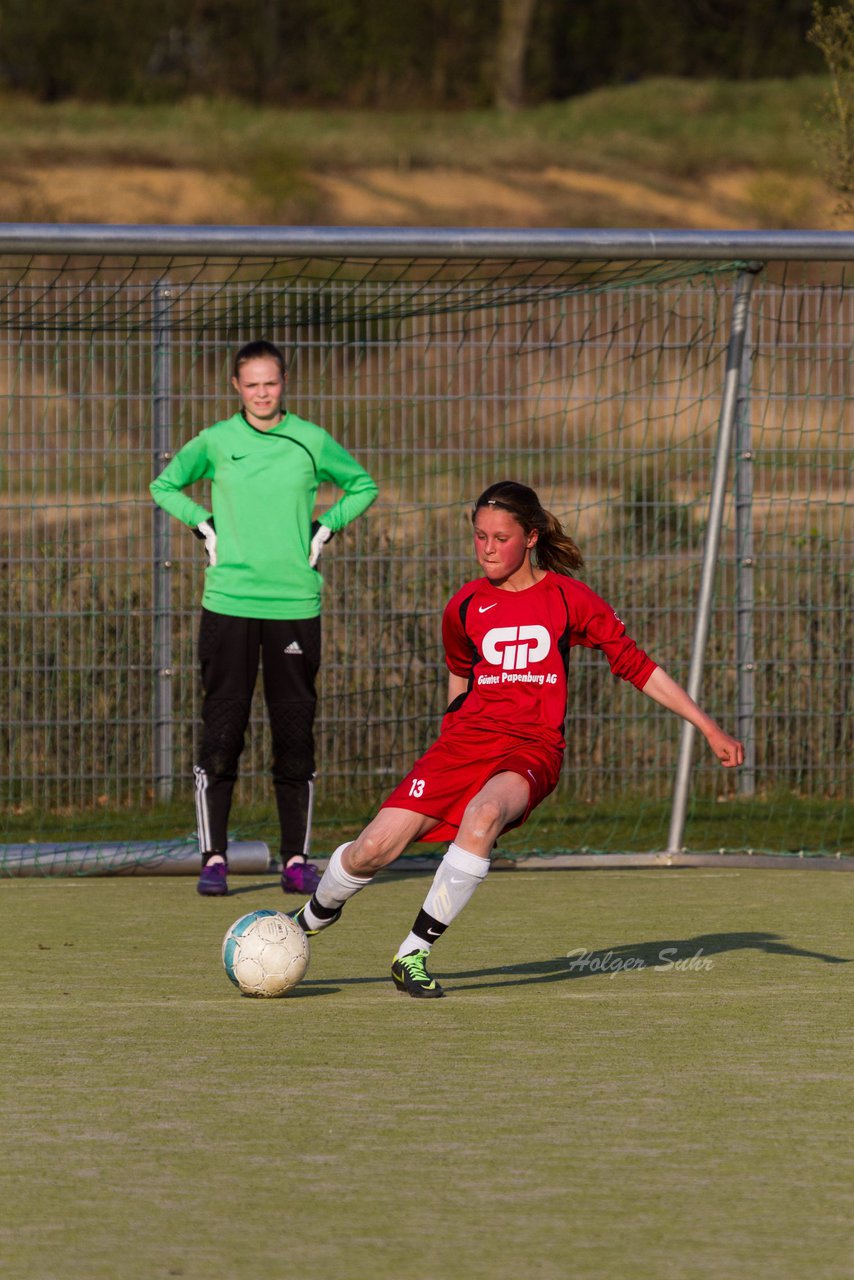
132 857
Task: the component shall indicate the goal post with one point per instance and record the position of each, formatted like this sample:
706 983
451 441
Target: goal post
734 376
681 400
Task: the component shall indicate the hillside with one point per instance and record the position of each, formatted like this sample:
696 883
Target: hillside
661 153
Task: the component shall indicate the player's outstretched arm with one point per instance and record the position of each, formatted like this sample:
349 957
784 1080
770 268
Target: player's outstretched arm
664 690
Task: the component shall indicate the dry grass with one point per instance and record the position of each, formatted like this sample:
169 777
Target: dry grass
657 153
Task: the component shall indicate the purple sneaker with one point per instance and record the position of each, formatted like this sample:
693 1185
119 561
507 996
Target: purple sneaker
213 882
300 877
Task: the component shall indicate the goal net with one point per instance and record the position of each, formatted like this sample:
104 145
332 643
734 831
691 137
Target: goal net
598 383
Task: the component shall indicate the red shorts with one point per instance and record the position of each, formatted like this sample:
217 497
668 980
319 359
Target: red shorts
453 770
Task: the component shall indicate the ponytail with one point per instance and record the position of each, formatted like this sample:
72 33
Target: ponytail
554 549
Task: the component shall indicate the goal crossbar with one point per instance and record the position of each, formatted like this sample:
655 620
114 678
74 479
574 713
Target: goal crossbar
445 242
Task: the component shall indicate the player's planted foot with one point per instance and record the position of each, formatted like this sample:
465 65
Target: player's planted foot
300 877
309 928
213 882
410 976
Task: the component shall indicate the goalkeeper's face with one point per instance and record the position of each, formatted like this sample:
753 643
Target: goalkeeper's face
260 384
502 546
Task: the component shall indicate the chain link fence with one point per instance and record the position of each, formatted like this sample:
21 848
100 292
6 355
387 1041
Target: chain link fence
600 388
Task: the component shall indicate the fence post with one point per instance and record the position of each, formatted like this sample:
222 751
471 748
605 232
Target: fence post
162 639
745 567
726 429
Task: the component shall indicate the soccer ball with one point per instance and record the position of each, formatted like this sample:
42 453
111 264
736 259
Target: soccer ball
265 953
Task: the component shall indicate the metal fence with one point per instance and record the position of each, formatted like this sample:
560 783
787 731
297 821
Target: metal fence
602 389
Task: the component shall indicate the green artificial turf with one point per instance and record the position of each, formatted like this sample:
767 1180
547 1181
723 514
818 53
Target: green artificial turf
621 1118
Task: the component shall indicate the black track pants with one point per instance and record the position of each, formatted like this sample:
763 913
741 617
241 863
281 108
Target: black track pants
229 654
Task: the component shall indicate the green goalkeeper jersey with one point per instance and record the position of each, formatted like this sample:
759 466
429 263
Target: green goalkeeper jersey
263 490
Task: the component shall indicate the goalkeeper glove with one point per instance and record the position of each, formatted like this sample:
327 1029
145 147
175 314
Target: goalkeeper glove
207 534
320 535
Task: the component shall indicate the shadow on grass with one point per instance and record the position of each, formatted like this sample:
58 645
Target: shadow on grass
667 955
260 886
307 990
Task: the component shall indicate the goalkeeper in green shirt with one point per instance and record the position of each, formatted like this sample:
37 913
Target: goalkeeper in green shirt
261 597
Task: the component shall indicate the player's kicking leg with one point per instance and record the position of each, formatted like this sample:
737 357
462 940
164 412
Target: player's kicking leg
354 865
465 865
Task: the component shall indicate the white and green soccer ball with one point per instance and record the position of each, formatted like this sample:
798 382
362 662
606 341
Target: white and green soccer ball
265 953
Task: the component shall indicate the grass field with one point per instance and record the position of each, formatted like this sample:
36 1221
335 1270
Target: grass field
674 126
617 1116
777 822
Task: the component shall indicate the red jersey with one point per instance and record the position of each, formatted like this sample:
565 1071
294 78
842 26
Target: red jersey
513 649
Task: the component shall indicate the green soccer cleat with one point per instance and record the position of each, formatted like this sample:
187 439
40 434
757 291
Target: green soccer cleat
297 917
410 976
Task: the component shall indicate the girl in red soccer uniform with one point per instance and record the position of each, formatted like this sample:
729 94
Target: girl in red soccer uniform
507 639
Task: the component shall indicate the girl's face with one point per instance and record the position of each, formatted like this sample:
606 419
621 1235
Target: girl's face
260 384
503 548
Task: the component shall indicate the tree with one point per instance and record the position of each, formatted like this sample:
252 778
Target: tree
832 33
513 35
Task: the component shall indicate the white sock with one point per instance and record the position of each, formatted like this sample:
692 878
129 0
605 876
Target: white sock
457 876
336 887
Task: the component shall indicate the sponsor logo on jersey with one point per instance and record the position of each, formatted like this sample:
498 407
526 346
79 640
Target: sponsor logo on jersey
513 648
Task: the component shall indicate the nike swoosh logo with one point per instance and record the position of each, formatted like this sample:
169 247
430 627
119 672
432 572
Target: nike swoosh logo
457 880
433 933
483 608
238 457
